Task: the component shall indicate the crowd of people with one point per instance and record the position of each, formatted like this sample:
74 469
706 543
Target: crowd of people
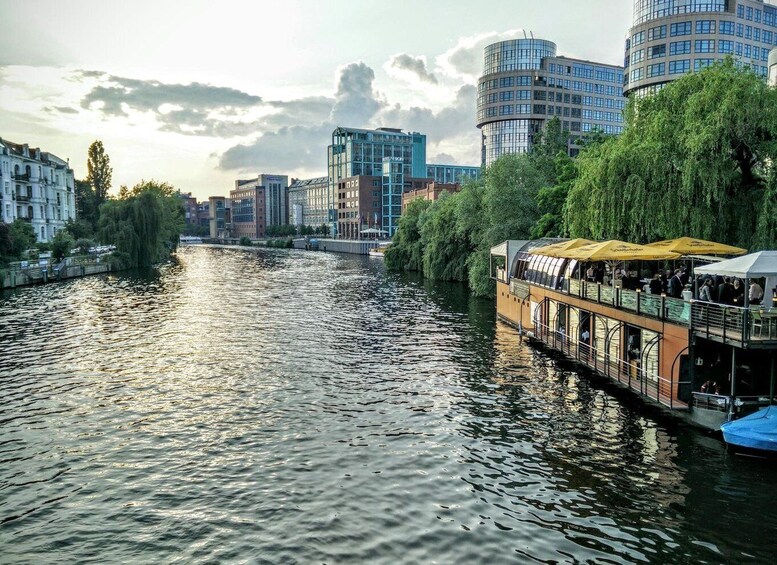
723 290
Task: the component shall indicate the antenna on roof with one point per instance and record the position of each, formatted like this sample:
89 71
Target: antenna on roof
524 34
532 34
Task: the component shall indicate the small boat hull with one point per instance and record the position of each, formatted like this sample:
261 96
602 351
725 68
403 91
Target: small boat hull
758 431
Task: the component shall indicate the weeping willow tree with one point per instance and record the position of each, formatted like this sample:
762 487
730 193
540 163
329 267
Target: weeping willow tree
144 223
695 160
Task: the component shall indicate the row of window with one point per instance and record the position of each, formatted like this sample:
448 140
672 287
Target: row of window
602 74
704 27
681 66
550 110
655 9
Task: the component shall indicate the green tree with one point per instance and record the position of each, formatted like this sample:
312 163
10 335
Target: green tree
61 244
406 250
552 198
87 206
693 161
246 241
324 229
22 236
145 225
99 171
79 229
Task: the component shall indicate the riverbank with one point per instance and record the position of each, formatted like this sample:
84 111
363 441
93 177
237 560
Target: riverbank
31 274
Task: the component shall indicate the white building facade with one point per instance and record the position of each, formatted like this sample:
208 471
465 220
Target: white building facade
36 187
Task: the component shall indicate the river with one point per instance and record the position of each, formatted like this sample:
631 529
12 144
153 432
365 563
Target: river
279 406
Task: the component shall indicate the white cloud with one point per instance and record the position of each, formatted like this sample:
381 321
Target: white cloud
465 59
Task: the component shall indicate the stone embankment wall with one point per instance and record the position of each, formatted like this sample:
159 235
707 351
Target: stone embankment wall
34 274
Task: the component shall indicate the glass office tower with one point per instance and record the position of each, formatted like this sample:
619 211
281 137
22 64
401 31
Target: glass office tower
525 83
671 38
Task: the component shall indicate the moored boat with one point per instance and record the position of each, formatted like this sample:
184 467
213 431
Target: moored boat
758 431
379 250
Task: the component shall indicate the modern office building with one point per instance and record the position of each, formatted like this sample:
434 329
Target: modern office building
671 38
308 202
220 217
360 152
248 209
524 84
449 174
258 203
36 187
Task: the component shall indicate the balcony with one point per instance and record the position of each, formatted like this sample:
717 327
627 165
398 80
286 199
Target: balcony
22 198
752 327
21 177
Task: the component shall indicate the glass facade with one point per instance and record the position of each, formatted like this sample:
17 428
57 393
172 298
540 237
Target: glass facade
743 29
310 196
517 54
648 10
393 186
523 87
356 152
448 174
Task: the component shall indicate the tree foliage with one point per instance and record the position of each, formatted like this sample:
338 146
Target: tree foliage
22 236
99 171
144 224
61 244
451 238
694 160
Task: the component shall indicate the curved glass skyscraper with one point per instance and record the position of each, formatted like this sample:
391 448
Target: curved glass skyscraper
670 38
525 83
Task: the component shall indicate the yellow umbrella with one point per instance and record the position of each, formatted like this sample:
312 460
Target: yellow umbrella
615 250
693 246
555 249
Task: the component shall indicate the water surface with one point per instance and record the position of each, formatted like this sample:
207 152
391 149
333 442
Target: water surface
295 407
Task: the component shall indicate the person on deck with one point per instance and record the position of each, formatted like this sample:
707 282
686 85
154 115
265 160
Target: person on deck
656 286
755 294
738 295
676 285
705 292
725 291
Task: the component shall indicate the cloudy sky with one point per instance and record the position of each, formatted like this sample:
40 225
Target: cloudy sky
199 93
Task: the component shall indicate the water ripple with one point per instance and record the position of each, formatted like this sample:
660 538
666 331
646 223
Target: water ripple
290 407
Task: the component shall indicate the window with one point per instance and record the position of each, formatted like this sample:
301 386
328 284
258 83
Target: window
749 14
740 30
658 32
741 11
655 70
523 94
679 67
539 95
506 110
726 28
705 26
506 82
725 46
657 51
704 46
767 37
681 28
637 39
539 108
757 34
748 32
506 95
636 75
637 56
680 47
699 64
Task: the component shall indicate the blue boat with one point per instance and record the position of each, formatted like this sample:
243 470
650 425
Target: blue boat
756 431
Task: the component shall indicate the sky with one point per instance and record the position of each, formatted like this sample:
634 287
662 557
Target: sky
200 93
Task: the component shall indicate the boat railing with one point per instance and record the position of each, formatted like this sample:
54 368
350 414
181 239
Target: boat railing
674 310
742 405
729 324
630 373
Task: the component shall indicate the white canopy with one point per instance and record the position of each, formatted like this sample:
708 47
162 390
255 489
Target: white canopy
754 265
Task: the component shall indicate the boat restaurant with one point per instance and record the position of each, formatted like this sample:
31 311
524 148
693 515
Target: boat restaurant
688 324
